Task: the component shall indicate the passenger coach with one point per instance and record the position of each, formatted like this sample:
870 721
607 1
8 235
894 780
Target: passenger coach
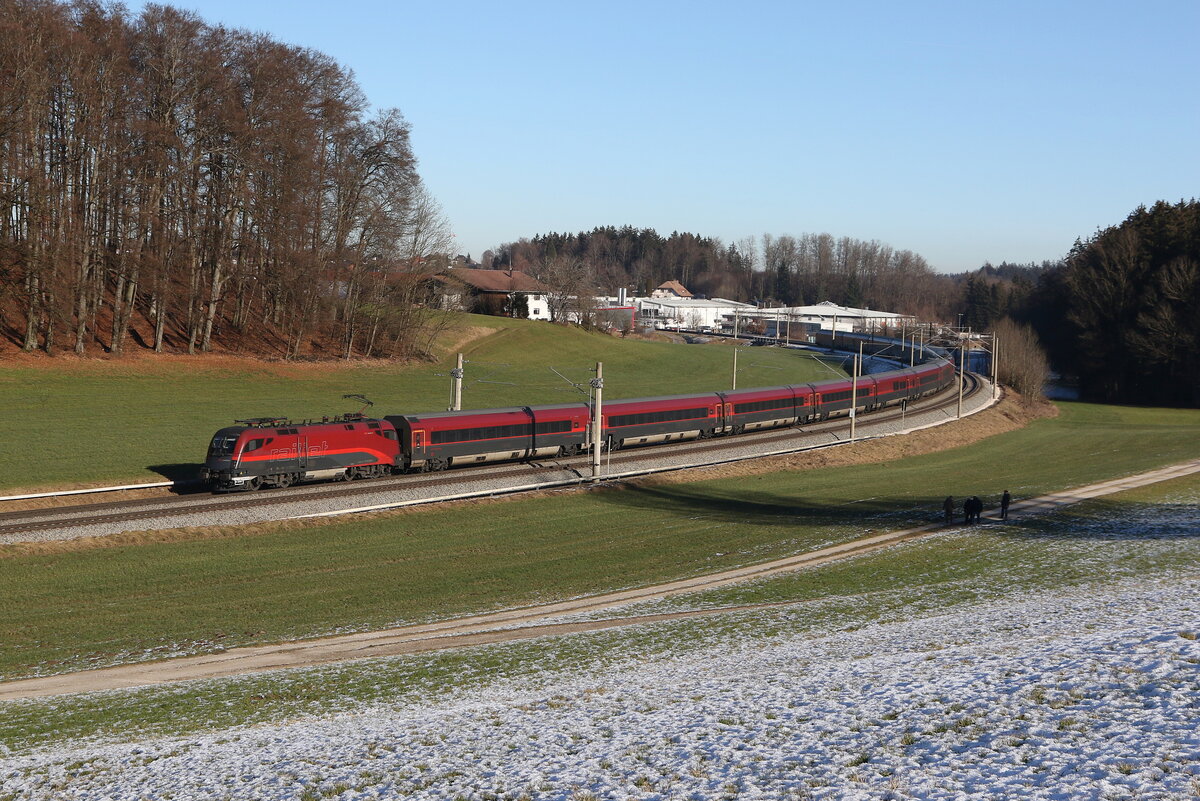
437 440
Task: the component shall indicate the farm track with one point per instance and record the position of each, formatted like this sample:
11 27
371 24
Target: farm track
525 623
149 509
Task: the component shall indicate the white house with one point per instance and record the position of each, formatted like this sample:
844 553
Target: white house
691 313
828 316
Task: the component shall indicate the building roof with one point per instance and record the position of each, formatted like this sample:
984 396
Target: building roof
694 303
831 309
676 287
494 280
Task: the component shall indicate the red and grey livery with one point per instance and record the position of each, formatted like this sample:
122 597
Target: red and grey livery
269 452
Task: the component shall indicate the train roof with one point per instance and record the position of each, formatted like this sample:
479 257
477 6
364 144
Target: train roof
419 416
748 391
705 396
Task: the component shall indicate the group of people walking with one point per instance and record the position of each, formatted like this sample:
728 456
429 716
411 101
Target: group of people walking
973 508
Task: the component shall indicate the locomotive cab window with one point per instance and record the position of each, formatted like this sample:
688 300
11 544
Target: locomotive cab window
222 446
254 445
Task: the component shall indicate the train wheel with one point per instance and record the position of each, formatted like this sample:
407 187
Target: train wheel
283 480
255 483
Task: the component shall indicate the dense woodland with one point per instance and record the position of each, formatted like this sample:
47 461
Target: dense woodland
1123 312
164 178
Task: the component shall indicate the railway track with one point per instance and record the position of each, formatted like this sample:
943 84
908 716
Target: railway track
474 481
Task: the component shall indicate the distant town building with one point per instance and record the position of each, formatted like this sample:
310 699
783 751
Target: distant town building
828 316
508 293
698 315
671 289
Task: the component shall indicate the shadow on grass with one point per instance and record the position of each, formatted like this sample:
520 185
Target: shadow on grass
184 474
1099 519
1113 520
772 509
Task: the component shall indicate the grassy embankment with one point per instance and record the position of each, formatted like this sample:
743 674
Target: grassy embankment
70 422
77 609
1146 533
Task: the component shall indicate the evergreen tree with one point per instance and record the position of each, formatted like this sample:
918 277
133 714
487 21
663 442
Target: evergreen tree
1131 295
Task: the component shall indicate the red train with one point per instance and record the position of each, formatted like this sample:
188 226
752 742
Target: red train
272 452
269 452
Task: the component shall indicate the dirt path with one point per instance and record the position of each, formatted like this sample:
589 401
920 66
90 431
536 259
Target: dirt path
516 624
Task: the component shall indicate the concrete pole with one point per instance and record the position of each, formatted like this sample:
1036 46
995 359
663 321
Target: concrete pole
962 376
597 418
456 378
854 391
995 366
735 350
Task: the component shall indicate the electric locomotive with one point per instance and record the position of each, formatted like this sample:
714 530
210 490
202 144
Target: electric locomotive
273 452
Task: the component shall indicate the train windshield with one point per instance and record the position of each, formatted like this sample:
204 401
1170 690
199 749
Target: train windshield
222 445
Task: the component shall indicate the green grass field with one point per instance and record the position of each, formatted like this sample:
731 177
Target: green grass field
68 422
86 608
1130 535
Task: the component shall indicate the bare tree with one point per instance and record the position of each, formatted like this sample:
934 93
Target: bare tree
1022 362
194 175
569 286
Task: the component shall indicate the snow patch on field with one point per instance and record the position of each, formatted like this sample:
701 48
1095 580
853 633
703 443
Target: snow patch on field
1093 693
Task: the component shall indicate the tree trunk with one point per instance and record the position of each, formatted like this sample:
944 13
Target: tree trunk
117 337
214 300
33 312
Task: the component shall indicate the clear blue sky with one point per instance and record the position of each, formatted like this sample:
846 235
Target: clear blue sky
966 132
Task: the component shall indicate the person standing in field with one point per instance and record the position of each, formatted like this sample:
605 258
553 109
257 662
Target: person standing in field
948 508
971 508
1005 500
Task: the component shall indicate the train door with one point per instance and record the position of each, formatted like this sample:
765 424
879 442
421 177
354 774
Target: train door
302 453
